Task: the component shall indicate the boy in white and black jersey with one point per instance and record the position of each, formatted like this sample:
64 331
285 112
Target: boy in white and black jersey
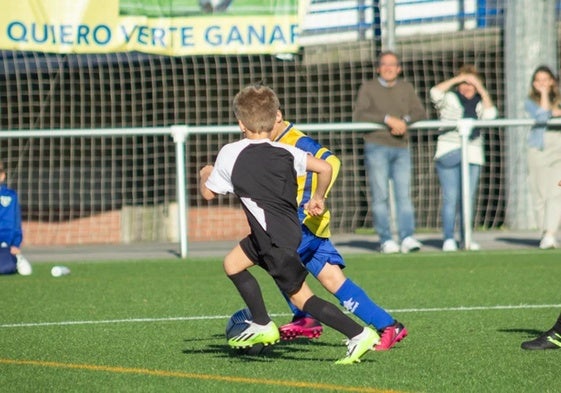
263 174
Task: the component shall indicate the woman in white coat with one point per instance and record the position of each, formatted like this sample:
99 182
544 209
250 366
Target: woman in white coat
463 96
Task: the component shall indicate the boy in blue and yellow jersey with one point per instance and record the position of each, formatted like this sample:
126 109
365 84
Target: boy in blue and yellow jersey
11 236
322 259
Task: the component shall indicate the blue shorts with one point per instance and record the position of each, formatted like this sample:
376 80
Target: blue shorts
315 252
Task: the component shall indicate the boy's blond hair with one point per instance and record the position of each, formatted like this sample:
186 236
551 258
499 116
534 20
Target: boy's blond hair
256 106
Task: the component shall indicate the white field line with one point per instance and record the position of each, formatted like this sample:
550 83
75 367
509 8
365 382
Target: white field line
203 317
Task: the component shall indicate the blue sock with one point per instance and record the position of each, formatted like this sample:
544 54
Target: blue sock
355 300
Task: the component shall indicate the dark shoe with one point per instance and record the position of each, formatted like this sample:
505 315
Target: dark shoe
548 340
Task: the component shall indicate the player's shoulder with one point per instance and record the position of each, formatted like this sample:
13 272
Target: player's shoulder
292 135
6 191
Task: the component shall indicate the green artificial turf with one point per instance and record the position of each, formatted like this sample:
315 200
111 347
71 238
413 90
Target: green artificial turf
158 326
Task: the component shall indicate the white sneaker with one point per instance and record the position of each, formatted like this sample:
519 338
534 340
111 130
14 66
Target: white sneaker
548 242
23 265
449 245
389 247
410 244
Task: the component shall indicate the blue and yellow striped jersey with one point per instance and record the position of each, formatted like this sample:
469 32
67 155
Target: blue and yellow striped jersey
318 225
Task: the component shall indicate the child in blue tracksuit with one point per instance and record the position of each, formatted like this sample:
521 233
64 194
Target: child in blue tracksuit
11 234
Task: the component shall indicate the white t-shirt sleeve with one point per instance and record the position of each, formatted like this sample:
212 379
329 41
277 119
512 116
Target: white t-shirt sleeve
220 179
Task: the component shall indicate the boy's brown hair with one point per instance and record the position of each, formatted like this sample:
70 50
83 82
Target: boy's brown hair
256 106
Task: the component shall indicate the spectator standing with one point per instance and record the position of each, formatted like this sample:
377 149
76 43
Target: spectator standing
544 153
462 96
392 102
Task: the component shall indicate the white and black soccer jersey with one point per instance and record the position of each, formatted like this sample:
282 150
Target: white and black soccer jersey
263 175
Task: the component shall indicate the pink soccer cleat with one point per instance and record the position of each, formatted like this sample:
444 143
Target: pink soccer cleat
391 336
301 327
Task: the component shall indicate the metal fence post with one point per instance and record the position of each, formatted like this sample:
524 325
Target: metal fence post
179 134
465 126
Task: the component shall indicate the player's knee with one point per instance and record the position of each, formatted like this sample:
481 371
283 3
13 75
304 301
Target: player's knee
331 277
229 265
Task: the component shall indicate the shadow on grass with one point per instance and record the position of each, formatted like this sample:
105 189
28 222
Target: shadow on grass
433 243
531 333
528 242
362 244
299 349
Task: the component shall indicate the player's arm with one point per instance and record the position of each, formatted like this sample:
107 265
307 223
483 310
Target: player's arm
313 147
204 174
324 172
335 163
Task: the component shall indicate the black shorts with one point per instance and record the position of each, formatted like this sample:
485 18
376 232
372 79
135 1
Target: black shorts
283 264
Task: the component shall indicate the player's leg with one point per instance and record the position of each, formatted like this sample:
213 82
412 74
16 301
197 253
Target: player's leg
302 323
360 339
261 330
285 266
327 266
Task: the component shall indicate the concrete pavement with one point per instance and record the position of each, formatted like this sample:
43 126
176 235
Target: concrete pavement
346 244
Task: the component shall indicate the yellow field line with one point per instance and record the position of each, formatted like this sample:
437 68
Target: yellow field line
209 377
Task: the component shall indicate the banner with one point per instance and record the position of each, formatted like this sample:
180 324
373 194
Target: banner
167 27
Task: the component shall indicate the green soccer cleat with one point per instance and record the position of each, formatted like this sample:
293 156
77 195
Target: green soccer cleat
256 334
359 345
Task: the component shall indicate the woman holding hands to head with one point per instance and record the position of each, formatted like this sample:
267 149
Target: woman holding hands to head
544 154
462 96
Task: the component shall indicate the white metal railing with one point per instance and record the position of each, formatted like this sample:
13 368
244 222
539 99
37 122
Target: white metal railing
464 127
180 134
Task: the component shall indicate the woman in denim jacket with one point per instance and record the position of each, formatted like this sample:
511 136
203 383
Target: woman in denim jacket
462 96
544 154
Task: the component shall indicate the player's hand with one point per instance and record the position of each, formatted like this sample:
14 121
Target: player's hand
205 171
315 206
